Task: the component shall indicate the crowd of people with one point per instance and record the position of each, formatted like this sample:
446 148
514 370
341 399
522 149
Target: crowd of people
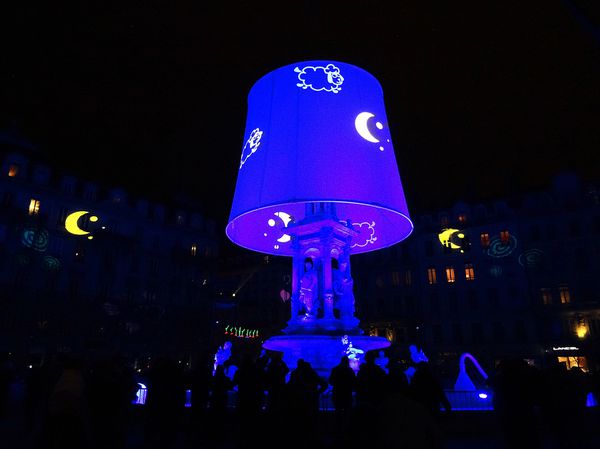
71 402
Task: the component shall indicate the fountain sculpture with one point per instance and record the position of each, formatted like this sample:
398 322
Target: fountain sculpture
318 181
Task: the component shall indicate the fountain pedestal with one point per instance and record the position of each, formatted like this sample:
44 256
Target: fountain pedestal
322 300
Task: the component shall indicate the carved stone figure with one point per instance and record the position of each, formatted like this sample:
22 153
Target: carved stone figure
343 287
308 290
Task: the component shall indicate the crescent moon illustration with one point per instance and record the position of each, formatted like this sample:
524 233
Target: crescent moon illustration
72 219
360 123
286 218
445 235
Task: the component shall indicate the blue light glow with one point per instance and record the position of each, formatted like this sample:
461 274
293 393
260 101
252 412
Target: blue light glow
316 133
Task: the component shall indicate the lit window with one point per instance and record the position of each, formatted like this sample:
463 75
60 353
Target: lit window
408 278
13 171
450 275
565 296
504 237
485 239
469 272
395 279
582 329
462 218
570 362
193 250
546 296
34 206
431 276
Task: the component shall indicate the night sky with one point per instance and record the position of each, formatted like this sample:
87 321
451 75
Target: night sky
483 99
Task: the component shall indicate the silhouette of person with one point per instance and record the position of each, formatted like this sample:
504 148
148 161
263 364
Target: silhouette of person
515 385
370 382
67 422
220 386
403 421
275 376
343 382
165 402
111 388
425 389
249 381
563 404
305 387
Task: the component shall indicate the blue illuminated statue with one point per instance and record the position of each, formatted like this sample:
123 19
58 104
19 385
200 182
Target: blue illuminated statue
318 181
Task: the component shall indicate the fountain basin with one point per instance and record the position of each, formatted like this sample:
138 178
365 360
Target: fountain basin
323 352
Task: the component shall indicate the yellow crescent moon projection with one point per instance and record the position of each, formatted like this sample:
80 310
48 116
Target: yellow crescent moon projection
360 123
72 219
445 235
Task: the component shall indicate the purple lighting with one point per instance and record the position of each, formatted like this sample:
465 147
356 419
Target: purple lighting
317 132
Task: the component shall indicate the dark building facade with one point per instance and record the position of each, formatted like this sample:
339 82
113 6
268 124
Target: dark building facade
123 271
513 278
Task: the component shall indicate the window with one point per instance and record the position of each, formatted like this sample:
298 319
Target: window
431 276
546 296
520 331
472 300
7 199
498 332
429 248
493 298
410 304
485 239
193 250
565 295
34 206
504 237
452 301
408 278
462 218
574 229
13 170
62 216
395 278
153 266
450 277
457 334
469 272
437 333
477 333
434 303
535 233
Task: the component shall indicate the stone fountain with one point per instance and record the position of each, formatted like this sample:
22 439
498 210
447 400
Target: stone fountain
318 182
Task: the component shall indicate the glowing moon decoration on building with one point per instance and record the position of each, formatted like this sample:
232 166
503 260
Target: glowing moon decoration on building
453 239
316 147
72 220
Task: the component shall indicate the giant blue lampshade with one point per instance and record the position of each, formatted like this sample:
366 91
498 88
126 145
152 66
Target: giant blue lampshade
317 133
